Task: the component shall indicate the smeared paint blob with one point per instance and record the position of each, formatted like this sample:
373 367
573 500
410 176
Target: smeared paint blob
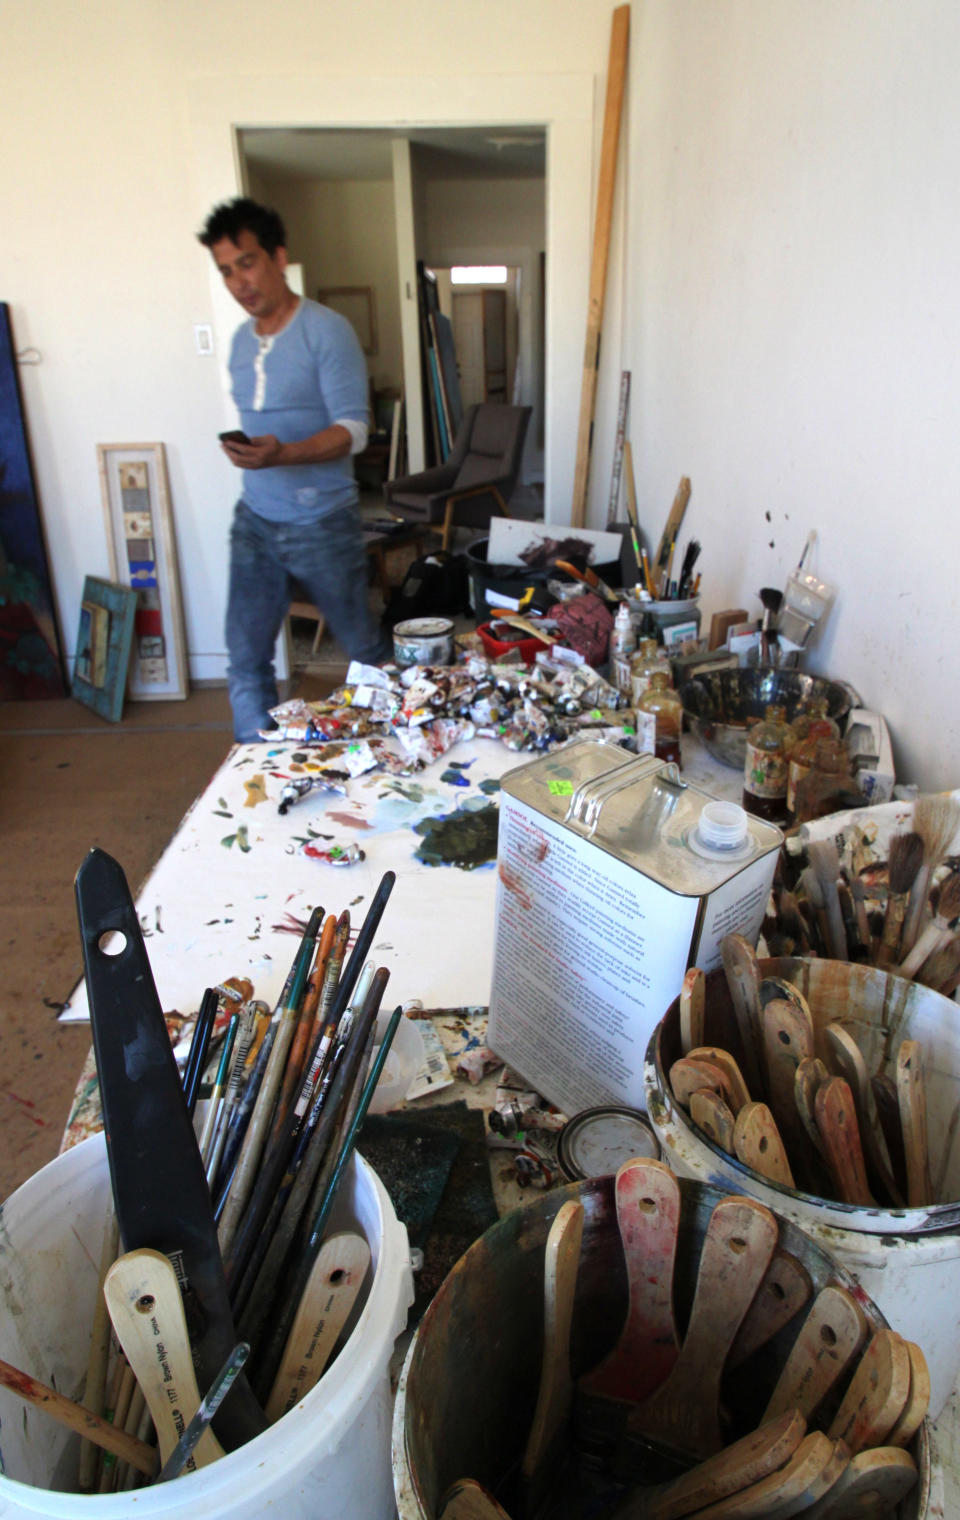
489 787
351 820
466 838
513 884
240 838
454 777
219 813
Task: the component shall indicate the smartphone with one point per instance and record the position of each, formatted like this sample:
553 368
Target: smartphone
236 435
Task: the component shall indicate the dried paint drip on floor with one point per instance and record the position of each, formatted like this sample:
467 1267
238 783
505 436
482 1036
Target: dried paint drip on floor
466 838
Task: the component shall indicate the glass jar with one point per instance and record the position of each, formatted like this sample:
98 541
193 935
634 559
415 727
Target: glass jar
648 658
661 700
809 728
827 782
765 766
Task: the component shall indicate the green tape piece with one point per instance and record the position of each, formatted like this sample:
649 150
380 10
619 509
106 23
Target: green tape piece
560 788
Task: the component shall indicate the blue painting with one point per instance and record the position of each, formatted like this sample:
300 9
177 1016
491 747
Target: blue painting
30 659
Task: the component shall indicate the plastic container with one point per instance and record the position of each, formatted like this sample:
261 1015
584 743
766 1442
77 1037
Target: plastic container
469 1384
495 646
404 1059
907 1260
329 1456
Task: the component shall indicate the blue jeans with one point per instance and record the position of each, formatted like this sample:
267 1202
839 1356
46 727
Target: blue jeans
329 561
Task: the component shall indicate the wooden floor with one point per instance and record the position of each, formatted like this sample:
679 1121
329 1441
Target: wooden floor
70 781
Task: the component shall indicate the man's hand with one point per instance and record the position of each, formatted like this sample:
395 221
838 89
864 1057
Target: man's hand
258 454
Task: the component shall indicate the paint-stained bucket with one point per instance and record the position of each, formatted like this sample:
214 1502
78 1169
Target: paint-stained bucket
329 1456
423 641
908 1260
469 1384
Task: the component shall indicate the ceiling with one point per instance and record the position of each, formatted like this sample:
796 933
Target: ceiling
366 153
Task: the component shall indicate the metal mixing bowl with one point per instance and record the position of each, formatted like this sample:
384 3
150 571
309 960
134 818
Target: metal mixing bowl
721 705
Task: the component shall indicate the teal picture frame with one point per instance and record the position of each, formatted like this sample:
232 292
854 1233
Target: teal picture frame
104 642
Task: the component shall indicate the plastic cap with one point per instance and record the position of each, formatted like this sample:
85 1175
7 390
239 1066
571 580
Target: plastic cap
722 826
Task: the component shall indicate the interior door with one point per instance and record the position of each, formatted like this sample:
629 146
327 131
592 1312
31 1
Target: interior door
468 341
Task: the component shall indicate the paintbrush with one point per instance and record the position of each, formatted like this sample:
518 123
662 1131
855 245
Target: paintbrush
938 931
825 862
690 558
238 1065
255 1138
217 1098
92 1427
99 1354
903 864
290 1296
278 1175
940 969
936 820
813 893
199 1045
330 1107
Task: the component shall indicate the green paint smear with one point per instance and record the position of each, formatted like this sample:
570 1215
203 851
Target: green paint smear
560 788
490 786
466 838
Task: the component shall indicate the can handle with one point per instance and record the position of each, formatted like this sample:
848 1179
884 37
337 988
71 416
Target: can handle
588 800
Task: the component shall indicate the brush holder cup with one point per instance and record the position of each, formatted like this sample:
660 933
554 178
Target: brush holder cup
907 1260
469 1385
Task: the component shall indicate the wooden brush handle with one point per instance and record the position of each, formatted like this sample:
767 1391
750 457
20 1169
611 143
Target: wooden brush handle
757 1143
785 1289
91 1426
561 1264
837 1123
648 1213
912 1099
144 1301
877 1394
330 1294
692 1010
831 1336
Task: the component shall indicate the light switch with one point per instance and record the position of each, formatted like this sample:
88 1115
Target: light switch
203 337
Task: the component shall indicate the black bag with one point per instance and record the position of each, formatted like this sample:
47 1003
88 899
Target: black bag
436 585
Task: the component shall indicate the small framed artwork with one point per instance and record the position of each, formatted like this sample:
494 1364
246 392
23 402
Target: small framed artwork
358 305
104 642
143 555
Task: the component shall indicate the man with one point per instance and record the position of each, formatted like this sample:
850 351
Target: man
300 384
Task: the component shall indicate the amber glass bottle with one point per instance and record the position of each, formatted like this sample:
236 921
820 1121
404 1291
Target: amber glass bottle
661 700
765 767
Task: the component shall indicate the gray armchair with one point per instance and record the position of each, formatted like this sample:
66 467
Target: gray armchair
476 480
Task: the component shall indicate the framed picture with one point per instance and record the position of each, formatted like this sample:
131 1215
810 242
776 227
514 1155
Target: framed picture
143 555
357 304
104 642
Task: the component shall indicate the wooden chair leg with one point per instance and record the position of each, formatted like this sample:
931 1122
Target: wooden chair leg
447 526
321 630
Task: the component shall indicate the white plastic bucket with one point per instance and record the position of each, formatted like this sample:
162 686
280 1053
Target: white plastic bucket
328 1459
907 1260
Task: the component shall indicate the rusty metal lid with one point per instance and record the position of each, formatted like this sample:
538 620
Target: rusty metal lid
598 1141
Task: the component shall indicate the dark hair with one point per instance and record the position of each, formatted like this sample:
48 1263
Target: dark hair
231 218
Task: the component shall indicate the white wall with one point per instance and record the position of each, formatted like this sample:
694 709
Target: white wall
116 120
794 321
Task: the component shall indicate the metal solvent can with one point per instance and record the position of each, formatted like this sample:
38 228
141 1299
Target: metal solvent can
614 876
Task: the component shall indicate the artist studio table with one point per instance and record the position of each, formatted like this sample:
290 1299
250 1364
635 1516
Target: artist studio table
234 887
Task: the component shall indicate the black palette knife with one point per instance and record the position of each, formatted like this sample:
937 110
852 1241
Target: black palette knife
159 1187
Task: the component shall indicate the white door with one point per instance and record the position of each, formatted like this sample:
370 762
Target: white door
468 341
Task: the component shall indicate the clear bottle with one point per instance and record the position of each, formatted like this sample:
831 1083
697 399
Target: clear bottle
765 766
809 728
827 783
623 639
648 658
661 700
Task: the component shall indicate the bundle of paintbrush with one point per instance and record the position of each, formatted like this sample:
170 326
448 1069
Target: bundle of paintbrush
804 1111
285 1098
903 915
815 1400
